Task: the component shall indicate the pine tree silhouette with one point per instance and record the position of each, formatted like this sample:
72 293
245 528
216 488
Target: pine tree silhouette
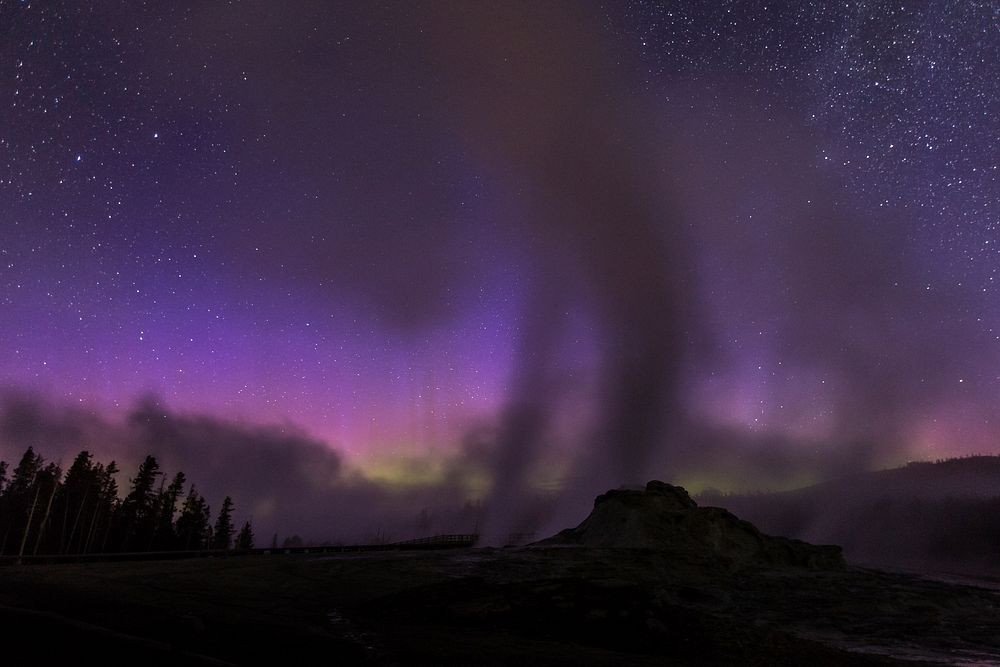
192 525
244 541
165 537
138 509
44 512
19 501
222 535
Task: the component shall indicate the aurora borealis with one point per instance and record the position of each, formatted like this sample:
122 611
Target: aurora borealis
387 228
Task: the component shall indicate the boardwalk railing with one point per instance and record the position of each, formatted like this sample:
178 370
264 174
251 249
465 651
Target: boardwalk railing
463 541
445 541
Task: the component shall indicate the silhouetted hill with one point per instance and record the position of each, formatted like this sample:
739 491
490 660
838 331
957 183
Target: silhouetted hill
927 515
663 517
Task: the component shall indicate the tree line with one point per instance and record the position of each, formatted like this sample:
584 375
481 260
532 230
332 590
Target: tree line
44 512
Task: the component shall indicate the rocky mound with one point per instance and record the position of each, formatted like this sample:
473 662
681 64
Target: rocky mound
663 517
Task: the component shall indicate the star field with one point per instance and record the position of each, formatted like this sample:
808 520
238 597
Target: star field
902 99
905 96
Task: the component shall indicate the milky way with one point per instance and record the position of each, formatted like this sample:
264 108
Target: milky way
289 215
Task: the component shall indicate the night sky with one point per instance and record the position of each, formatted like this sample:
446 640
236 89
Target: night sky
458 247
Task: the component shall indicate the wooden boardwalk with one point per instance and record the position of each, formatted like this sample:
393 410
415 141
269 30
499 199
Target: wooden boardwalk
458 541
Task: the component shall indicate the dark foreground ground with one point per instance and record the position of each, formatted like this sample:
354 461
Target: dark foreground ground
532 606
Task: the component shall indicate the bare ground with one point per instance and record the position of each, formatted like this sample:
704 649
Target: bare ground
531 606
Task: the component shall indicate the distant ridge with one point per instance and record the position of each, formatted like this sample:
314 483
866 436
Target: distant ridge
925 515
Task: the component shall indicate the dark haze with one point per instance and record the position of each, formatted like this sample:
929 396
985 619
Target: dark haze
533 96
284 481
537 95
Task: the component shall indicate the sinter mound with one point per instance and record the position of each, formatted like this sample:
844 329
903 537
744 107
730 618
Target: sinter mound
663 517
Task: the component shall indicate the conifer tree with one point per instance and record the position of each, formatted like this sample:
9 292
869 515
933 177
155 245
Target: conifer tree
23 479
244 541
76 501
18 502
192 525
222 535
107 509
166 535
49 484
3 506
138 509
